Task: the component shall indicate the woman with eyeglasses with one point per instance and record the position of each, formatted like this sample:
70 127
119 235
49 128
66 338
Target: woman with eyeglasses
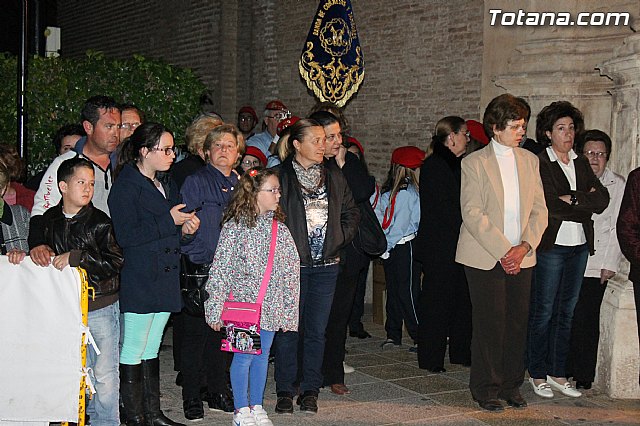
601 267
208 190
150 225
573 194
252 158
503 216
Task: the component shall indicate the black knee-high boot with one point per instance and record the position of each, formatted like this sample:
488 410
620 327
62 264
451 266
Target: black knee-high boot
132 394
151 385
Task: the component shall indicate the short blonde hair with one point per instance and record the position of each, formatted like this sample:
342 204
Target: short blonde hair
215 135
198 130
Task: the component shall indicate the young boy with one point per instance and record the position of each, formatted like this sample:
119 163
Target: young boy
78 234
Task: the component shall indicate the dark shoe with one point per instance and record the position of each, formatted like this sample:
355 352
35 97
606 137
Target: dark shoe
340 389
492 405
284 405
360 334
193 409
132 394
219 402
389 344
583 385
151 386
437 370
308 402
516 401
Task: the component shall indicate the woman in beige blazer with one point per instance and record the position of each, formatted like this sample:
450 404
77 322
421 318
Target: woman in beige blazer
504 216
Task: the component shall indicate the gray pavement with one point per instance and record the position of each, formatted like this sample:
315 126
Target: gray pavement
388 388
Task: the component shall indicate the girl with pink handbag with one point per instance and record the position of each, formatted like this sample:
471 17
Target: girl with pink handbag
256 269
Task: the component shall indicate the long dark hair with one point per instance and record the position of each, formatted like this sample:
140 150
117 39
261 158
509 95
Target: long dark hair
147 135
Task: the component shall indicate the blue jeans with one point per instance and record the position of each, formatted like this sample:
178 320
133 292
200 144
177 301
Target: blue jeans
554 293
104 325
317 286
249 373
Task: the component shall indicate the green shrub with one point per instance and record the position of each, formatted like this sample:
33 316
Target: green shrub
58 87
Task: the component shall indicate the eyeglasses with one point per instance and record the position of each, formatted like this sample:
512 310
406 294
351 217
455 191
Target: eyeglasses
467 133
167 151
596 154
518 127
275 190
130 126
280 115
245 118
253 163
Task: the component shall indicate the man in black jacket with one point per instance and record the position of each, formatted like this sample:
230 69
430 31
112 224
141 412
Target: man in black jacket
322 218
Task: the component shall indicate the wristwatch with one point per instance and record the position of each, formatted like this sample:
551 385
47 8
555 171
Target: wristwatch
574 199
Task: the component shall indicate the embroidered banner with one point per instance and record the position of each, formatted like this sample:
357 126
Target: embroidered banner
332 64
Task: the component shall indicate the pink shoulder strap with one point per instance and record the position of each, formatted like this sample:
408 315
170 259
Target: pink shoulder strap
267 273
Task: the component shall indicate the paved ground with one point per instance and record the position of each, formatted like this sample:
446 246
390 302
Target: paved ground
388 388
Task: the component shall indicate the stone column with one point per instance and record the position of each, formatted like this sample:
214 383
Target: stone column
618 354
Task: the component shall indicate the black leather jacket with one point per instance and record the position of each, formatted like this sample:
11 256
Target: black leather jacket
344 215
89 237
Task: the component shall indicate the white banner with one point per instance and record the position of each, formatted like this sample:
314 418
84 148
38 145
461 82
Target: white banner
40 337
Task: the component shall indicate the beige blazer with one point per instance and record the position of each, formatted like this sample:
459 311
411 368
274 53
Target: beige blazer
482 242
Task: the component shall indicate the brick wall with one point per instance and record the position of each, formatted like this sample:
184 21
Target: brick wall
423 59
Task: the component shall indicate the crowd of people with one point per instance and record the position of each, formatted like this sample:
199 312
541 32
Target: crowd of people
494 246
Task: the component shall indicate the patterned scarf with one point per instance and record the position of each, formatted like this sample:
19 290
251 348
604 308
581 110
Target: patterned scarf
311 179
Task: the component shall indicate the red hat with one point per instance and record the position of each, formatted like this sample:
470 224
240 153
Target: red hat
276 105
408 156
287 122
248 109
356 143
476 129
252 150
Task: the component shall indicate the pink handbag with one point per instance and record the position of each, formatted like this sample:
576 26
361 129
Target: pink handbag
241 320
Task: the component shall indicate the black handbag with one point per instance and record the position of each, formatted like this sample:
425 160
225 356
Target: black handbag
193 278
370 238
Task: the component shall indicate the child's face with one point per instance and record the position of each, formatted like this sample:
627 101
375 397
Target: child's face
77 191
267 199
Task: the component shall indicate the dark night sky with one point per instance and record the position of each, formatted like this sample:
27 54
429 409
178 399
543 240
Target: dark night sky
10 22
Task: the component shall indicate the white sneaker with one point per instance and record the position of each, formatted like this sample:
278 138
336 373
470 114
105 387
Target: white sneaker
244 417
260 416
567 389
543 389
347 368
